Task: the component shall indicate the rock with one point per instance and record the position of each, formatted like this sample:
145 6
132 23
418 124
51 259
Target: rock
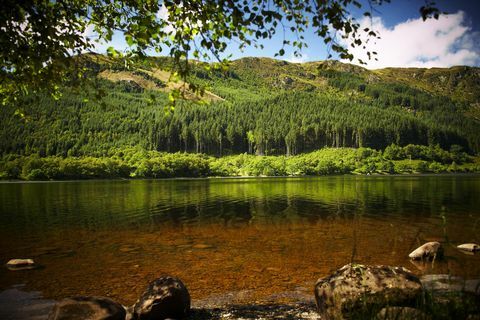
429 250
452 297
448 283
15 303
129 249
167 297
358 291
88 308
202 246
470 247
21 264
401 313
287 81
422 265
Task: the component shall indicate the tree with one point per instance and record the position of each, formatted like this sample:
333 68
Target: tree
38 37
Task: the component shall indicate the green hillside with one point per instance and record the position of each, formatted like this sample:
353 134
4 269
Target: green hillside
260 105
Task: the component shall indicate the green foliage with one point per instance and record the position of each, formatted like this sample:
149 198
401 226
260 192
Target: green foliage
158 165
139 163
429 153
272 108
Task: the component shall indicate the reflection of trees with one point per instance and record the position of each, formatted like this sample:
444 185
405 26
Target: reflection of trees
99 204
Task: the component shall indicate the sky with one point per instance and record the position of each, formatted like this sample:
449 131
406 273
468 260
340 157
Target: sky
405 39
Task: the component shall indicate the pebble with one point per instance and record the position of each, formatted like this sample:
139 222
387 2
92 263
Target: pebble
21 264
202 246
471 247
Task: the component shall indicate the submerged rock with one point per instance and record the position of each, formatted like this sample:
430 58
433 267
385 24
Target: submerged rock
202 246
469 247
362 291
429 250
87 308
452 297
167 297
401 313
449 283
423 265
17 304
21 264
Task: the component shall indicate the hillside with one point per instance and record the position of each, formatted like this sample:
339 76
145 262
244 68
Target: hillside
259 106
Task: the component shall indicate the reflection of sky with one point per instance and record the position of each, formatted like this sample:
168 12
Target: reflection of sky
406 40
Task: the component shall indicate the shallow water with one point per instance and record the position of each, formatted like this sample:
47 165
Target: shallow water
230 240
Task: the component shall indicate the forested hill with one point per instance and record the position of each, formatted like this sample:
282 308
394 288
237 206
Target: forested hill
260 106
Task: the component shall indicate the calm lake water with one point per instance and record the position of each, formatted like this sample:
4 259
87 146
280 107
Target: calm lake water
230 240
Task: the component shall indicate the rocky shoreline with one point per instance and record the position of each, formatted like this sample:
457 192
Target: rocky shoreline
355 291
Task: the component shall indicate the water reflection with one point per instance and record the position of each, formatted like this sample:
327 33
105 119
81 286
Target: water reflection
107 204
265 236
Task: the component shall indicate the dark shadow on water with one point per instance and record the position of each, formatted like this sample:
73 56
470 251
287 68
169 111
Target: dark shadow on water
16 304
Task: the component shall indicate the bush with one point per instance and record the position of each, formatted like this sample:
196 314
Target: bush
325 167
137 163
454 167
436 167
402 166
394 152
36 168
421 166
386 166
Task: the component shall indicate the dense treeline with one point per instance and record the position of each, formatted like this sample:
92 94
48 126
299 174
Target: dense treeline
288 123
301 122
138 163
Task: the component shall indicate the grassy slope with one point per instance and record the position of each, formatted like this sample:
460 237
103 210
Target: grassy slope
251 76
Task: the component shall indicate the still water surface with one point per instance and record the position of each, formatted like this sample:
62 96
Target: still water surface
230 240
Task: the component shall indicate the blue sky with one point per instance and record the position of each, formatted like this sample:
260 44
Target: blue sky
406 40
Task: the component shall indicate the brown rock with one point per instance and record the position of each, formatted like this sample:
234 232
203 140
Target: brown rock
470 247
401 313
362 291
87 308
429 250
21 264
167 297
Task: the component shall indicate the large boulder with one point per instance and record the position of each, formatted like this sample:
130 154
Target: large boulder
429 250
165 298
362 291
87 308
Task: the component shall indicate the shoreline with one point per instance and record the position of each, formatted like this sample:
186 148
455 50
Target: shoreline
374 175
18 304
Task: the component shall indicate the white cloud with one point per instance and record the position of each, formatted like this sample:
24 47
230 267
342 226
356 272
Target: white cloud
303 57
416 43
99 46
163 14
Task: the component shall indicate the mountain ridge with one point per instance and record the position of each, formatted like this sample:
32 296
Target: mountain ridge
257 105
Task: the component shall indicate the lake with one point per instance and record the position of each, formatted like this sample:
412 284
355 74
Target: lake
230 240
